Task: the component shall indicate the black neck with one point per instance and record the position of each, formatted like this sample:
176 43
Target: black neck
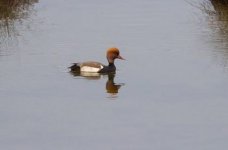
111 64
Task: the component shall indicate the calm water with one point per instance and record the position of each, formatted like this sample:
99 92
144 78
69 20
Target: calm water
170 93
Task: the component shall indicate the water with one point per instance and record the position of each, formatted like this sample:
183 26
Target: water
170 93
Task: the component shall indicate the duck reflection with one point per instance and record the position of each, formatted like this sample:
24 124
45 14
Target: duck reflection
111 87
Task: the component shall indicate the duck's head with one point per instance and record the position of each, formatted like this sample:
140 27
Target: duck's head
112 54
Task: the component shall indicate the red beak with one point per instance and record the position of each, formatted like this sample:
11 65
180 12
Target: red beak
120 57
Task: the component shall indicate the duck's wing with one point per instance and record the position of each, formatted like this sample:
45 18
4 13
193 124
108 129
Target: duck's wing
91 66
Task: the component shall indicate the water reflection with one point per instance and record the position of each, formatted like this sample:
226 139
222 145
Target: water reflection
12 11
220 16
217 11
217 18
111 87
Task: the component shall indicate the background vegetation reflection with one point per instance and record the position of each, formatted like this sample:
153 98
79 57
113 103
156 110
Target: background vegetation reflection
12 11
218 17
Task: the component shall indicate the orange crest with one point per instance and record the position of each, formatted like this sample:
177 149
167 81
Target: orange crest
113 50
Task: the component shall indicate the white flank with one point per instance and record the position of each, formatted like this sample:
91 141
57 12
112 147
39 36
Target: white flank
90 69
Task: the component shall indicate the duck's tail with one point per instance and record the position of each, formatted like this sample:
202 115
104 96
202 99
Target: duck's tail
75 67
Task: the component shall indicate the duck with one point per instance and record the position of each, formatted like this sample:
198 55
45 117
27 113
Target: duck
97 67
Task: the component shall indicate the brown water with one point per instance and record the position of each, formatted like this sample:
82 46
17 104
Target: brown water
170 93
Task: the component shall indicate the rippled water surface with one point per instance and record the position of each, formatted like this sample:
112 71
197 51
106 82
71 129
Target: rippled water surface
170 93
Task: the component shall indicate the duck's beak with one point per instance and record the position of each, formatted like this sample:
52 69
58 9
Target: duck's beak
120 57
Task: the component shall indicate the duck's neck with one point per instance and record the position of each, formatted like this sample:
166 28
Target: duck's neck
111 64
